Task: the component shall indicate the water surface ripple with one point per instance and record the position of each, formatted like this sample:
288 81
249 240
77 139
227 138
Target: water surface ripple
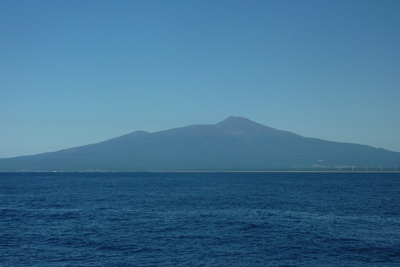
199 219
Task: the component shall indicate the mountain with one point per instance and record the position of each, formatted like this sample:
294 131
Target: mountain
235 144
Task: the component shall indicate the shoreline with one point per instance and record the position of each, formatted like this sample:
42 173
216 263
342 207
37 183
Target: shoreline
266 171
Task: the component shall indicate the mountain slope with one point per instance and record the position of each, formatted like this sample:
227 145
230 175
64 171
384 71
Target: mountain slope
235 144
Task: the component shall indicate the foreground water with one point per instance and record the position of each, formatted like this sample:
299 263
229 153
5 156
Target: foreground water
199 219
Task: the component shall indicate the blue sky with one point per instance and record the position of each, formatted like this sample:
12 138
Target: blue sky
80 72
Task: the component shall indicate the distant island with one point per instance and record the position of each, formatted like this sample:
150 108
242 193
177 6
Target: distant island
235 144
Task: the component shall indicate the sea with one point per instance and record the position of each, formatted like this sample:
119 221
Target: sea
199 219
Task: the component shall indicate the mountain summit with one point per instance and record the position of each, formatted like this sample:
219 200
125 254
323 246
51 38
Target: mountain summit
239 122
235 144
241 125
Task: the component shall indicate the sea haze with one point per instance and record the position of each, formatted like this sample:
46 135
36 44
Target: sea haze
199 219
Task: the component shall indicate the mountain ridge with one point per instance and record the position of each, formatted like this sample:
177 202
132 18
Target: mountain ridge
234 144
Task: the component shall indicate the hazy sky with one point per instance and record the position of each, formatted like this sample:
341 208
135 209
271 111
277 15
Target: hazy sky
79 72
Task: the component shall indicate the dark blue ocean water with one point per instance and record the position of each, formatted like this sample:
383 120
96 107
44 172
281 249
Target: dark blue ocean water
199 219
